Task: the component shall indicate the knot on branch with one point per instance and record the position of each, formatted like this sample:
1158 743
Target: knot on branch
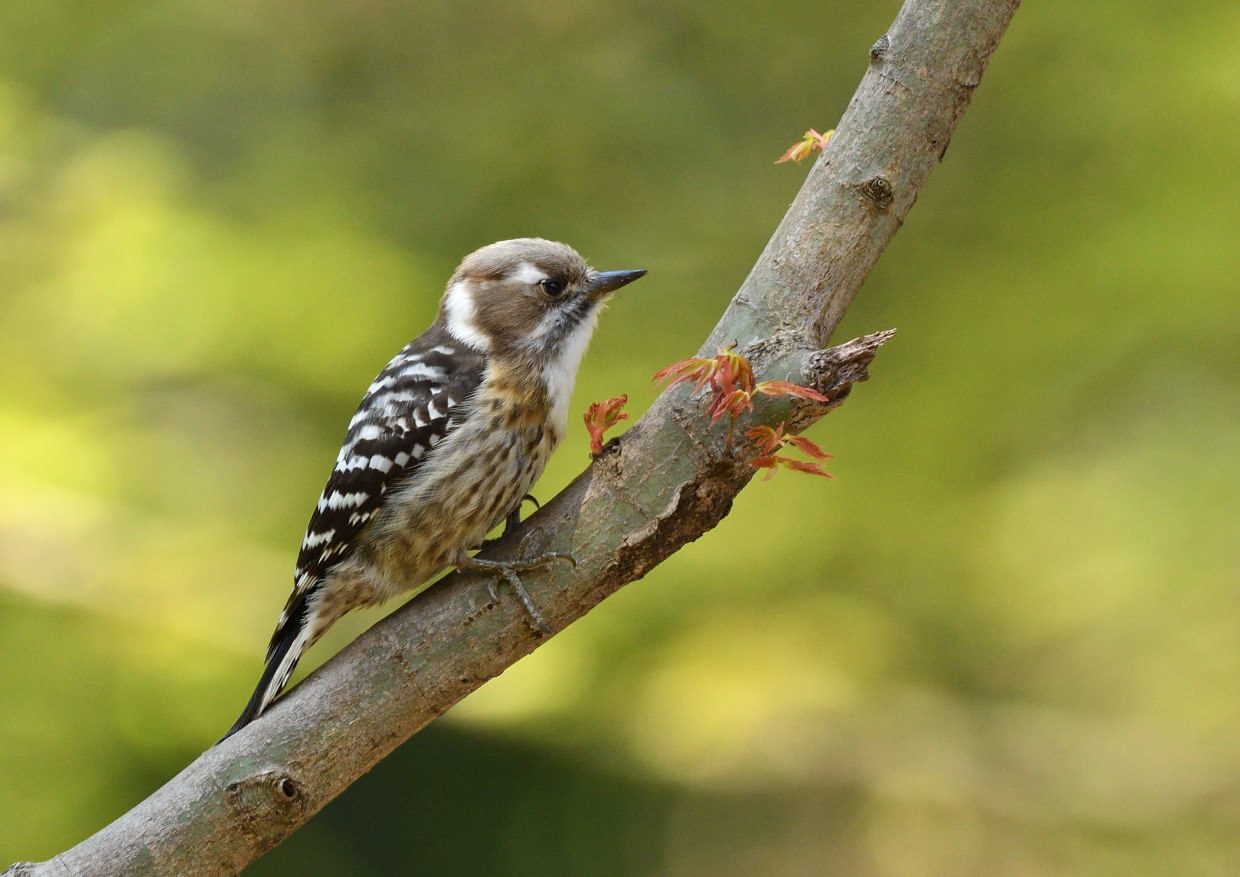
839 367
878 189
271 795
880 48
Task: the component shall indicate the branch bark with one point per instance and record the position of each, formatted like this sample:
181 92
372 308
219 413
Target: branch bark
667 481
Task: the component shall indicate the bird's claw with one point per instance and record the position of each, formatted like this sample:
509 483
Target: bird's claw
509 573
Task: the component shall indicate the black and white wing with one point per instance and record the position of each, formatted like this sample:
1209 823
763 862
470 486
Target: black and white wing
408 410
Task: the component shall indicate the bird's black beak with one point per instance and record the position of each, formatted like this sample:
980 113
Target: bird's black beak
609 281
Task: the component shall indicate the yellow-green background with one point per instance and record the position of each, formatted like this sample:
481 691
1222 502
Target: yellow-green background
1006 641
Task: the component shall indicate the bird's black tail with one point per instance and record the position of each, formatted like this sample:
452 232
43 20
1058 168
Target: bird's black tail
289 641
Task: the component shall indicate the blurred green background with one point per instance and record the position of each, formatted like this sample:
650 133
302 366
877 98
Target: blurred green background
1006 641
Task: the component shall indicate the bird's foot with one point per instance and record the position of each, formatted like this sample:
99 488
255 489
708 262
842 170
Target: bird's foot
509 571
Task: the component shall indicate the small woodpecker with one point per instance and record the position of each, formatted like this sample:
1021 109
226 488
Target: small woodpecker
446 443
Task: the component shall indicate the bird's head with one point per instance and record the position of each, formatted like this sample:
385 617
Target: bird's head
528 298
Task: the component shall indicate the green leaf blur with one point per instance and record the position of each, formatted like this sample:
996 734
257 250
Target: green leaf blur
1003 642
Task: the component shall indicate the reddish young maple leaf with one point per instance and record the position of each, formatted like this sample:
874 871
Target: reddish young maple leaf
768 440
783 388
725 374
602 416
729 377
696 369
807 447
772 462
765 438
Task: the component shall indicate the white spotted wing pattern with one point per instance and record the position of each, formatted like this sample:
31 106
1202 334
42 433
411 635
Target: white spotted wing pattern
409 408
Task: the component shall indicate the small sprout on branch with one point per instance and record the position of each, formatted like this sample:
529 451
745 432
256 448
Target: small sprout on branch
728 377
730 382
768 440
602 416
803 148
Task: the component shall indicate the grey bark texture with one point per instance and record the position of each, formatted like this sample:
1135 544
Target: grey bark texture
667 481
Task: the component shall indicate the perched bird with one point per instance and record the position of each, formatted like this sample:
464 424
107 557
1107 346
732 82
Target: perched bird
446 443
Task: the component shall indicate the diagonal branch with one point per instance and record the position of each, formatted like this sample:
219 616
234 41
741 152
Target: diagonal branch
667 481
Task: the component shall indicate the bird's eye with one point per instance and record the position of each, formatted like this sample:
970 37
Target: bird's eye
551 287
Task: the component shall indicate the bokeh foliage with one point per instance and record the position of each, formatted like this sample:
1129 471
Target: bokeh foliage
1004 642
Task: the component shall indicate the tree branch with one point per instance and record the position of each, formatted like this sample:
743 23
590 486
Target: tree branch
667 481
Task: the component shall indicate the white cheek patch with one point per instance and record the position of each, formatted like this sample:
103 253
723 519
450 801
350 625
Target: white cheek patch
459 308
528 274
